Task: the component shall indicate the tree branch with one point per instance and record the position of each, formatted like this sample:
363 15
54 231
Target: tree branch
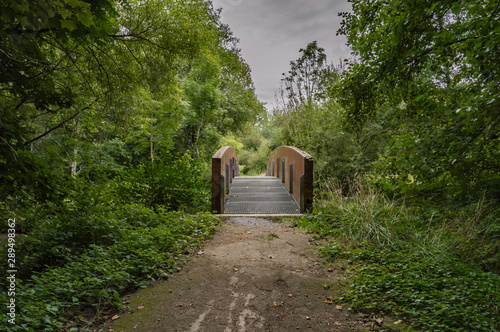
139 37
60 124
429 50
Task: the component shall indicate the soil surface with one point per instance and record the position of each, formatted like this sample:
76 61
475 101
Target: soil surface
254 275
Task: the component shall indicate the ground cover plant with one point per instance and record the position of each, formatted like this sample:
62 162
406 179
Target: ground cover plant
83 261
108 111
405 265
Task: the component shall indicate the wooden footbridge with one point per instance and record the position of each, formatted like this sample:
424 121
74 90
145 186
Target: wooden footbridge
287 187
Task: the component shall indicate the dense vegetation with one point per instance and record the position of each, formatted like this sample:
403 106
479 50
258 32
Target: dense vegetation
406 141
423 271
414 115
109 110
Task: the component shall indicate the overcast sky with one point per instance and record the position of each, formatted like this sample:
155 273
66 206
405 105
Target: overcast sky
271 32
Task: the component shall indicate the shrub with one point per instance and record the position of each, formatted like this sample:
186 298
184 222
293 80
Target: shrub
410 265
89 256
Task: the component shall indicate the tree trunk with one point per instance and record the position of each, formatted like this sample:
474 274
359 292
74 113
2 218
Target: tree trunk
152 144
74 163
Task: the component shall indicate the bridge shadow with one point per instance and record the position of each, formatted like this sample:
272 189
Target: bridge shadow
287 187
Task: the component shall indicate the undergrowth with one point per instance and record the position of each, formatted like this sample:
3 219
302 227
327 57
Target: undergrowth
426 271
84 257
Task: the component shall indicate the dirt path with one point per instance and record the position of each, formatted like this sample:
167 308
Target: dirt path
254 275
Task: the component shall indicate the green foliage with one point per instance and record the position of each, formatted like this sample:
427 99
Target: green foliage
417 265
95 86
219 98
305 82
239 100
252 149
179 184
477 230
430 69
310 118
94 252
430 295
364 217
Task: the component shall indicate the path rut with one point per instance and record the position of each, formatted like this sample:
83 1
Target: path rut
254 275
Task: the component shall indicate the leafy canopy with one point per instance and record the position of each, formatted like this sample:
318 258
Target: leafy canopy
432 66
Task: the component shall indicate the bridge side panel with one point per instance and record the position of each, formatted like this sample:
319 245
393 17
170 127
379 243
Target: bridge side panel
308 184
224 167
217 186
300 165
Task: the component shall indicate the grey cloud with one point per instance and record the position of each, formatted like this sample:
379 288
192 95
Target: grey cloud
271 32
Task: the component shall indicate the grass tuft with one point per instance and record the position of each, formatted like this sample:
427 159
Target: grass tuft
409 265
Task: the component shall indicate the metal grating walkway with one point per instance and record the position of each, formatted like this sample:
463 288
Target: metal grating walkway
259 194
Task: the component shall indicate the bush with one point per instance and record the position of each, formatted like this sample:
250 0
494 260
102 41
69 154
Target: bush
89 256
409 265
178 184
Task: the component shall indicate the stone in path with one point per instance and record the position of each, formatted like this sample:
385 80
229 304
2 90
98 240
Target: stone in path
254 275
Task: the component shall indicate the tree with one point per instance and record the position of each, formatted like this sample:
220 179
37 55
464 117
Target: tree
39 82
309 117
301 92
432 68
306 78
78 74
219 98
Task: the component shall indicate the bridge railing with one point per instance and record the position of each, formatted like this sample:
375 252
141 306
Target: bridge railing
224 168
295 169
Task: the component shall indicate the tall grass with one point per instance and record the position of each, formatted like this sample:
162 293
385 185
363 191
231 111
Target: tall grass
477 228
412 262
365 217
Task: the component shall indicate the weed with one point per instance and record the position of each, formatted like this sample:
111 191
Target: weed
432 296
272 236
411 266
68 266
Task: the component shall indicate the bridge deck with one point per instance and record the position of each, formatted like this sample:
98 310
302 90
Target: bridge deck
260 194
